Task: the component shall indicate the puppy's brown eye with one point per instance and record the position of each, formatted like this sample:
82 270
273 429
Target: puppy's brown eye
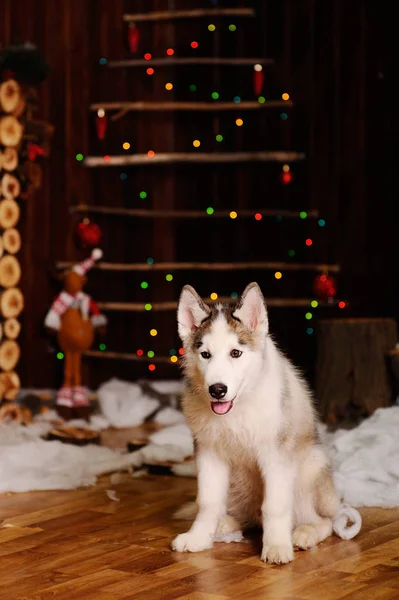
205 355
235 353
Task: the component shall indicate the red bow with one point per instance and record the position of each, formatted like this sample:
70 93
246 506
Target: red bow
34 150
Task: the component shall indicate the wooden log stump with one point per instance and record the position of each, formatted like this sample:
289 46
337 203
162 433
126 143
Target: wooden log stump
393 359
352 376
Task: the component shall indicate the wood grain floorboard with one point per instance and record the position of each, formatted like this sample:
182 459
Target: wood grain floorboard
80 545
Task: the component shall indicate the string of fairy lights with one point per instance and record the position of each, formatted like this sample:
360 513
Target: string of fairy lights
286 177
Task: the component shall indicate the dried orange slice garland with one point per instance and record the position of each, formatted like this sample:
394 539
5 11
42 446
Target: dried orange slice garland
73 435
12 106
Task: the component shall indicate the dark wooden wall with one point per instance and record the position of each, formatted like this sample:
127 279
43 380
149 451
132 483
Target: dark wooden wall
336 59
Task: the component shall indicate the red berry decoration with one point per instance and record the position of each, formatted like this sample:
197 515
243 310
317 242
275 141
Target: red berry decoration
258 81
33 151
101 123
324 287
133 38
286 177
88 234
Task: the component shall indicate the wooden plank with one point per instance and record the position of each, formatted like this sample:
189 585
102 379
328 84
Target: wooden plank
167 306
192 157
194 106
205 266
128 356
165 15
174 62
189 214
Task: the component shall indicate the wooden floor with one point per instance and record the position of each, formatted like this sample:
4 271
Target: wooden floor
80 544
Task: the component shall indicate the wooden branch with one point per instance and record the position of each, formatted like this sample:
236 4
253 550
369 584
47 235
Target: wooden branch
192 157
128 356
119 115
166 62
48 396
208 266
168 306
188 214
166 15
194 106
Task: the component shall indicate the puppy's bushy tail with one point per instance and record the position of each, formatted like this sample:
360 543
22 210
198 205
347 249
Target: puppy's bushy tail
187 512
347 523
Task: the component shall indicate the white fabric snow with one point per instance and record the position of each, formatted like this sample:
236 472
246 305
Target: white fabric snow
169 416
366 460
123 403
27 462
177 435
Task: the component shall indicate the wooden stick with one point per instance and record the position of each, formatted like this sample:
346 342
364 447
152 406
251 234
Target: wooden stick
119 115
49 396
188 214
189 14
165 62
192 157
167 306
194 106
205 266
128 356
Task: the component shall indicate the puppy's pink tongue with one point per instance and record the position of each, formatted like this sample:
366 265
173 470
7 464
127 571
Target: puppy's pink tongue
221 408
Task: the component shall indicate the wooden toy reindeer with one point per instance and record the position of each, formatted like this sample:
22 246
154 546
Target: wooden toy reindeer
74 317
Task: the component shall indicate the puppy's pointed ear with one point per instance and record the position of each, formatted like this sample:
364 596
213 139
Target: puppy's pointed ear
251 309
190 312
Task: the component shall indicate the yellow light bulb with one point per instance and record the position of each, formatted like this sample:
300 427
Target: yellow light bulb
285 96
278 275
173 359
214 296
239 122
153 332
169 86
196 143
126 146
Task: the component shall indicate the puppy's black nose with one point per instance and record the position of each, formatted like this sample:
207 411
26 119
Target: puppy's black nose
218 390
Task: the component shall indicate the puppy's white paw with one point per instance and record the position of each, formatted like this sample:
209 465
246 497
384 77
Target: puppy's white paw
305 537
277 555
191 542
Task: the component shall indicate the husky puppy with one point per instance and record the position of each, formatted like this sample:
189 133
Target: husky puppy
259 458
